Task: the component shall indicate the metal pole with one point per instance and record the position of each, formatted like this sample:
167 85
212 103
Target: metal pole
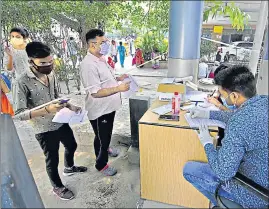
259 33
185 28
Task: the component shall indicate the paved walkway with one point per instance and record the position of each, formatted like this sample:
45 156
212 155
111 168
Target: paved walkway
92 189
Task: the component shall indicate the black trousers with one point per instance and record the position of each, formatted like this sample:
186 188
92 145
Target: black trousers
102 128
50 144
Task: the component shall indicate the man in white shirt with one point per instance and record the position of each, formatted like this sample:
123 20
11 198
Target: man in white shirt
203 69
103 97
113 51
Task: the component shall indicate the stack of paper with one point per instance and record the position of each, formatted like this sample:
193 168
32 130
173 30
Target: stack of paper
67 116
195 122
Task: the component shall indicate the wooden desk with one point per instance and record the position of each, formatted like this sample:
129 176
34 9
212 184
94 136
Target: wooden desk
163 154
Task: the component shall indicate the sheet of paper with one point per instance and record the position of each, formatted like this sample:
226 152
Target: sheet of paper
167 80
195 122
67 116
163 109
196 95
165 96
79 118
133 87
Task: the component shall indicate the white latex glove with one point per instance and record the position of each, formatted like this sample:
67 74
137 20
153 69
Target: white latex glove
204 135
199 113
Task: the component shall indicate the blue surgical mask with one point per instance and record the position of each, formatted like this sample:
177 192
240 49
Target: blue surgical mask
230 107
104 48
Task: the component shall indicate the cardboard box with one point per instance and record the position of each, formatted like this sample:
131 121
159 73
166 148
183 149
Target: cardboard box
171 88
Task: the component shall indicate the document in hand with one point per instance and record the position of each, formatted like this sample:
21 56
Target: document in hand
67 116
195 122
133 87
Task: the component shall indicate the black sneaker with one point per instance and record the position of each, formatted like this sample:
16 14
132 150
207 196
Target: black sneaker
73 170
63 193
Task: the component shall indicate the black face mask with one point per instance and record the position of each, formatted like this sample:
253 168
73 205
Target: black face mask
43 69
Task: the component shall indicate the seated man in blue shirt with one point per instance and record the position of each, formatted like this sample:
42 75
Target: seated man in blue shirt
245 144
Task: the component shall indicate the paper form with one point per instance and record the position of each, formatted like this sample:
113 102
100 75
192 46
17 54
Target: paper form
67 116
133 87
167 80
195 122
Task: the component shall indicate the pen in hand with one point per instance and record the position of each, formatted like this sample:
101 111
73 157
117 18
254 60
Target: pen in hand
213 93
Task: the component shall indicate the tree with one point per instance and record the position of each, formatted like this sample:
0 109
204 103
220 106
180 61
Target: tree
208 48
147 19
151 18
42 24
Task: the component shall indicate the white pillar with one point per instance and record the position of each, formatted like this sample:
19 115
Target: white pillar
262 83
260 28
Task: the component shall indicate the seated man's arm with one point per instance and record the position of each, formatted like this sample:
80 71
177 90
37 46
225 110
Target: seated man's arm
226 160
223 116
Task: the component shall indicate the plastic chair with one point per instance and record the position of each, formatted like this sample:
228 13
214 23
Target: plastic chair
250 185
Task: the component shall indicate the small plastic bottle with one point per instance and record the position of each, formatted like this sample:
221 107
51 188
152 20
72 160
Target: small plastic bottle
176 104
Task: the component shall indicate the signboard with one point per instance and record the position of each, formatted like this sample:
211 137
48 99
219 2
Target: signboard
218 29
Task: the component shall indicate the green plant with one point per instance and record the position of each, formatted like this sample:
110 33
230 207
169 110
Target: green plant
237 17
151 41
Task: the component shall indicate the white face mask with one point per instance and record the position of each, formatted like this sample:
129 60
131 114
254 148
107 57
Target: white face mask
16 41
104 48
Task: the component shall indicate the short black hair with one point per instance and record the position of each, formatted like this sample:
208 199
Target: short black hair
237 78
24 33
37 49
93 33
120 42
219 68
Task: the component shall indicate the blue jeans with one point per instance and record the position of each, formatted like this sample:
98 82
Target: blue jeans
202 177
